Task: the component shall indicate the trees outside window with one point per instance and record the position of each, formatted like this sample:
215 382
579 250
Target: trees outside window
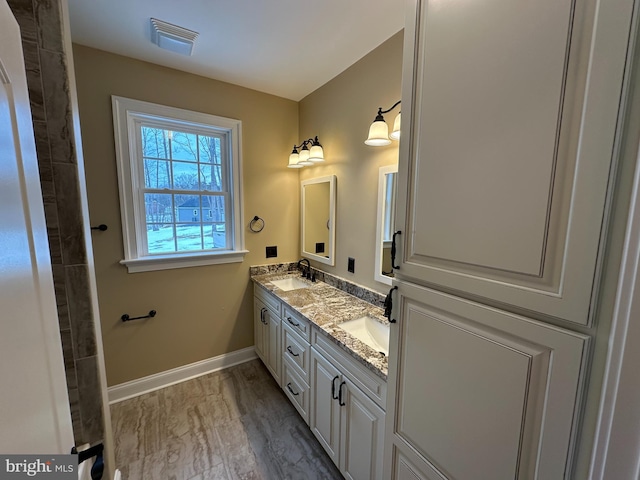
184 169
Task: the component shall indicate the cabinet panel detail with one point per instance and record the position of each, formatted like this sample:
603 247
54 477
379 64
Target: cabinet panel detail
496 389
259 327
274 356
489 123
296 350
362 435
324 417
513 110
406 470
298 323
469 390
371 384
296 389
268 299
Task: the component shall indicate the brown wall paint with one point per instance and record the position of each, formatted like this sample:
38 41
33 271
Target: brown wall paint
202 311
340 113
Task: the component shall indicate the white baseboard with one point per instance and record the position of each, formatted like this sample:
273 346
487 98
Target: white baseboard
131 389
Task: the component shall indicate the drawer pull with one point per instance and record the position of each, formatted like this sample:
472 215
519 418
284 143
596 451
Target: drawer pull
292 322
292 352
291 390
340 395
333 387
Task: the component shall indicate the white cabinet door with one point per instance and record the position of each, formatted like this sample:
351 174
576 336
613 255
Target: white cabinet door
512 111
324 419
266 331
362 434
260 330
479 392
274 363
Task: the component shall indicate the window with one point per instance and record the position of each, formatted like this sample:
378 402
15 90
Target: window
179 176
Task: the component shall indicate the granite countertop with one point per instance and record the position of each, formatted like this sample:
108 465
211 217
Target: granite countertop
327 307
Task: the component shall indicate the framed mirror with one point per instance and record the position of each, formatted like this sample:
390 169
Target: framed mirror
387 182
318 207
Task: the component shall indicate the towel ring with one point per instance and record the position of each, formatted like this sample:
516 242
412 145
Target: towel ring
256 225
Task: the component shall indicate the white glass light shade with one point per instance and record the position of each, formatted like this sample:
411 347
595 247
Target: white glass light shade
316 154
293 161
378 134
304 157
395 135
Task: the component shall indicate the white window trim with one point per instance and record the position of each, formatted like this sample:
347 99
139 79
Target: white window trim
125 111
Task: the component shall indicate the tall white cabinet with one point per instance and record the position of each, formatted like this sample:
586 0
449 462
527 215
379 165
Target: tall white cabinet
510 113
512 108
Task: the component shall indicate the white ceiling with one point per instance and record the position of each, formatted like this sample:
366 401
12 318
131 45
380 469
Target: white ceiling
287 48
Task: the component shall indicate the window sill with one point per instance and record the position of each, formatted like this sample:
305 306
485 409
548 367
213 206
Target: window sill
166 262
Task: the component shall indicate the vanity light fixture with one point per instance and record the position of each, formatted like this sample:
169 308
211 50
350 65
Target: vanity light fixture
379 131
306 156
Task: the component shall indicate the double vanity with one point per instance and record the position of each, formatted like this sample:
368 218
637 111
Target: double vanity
327 350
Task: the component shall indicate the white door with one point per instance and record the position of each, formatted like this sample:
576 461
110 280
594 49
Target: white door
34 406
324 418
260 329
275 353
504 167
483 393
362 435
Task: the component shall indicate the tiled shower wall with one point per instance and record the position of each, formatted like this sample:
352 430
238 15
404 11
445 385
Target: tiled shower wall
47 77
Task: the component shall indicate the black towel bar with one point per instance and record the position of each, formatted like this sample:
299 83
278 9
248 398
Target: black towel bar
127 318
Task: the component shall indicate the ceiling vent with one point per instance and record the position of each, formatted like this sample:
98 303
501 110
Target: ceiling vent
173 38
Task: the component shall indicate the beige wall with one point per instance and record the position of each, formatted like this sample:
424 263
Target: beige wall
340 113
202 311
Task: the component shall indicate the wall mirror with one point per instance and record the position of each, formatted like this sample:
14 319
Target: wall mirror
318 206
384 232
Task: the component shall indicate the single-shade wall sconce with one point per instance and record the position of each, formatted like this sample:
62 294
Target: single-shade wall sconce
379 131
305 156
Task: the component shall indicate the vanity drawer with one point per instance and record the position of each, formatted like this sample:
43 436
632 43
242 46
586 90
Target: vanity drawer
296 389
300 325
269 300
296 350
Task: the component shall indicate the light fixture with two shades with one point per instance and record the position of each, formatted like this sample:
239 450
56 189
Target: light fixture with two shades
306 156
379 131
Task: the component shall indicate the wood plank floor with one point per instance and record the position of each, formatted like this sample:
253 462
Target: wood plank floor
228 425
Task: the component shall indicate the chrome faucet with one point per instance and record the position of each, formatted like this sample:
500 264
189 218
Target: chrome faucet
306 275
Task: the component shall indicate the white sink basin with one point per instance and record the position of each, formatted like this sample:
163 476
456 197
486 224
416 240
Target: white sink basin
370 332
291 283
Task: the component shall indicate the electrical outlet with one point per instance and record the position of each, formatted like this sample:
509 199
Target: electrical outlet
320 247
272 252
351 265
